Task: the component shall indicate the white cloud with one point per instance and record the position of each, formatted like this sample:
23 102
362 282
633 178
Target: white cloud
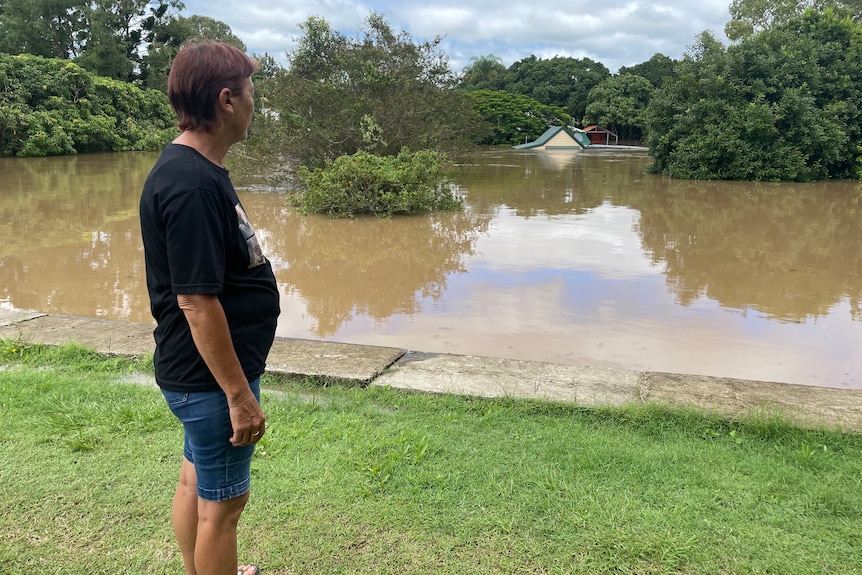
615 33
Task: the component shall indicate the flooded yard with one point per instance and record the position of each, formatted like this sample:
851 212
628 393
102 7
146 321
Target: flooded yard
568 257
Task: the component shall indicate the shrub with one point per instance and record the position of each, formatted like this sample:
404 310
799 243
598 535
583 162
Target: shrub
52 107
47 136
363 183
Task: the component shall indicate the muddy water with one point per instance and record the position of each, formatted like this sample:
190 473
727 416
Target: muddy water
563 257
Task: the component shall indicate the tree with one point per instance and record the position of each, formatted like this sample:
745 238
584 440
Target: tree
55 107
482 71
211 29
378 92
620 103
120 32
49 28
751 16
268 67
364 183
169 34
783 104
515 118
121 39
106 55
656 69
559 81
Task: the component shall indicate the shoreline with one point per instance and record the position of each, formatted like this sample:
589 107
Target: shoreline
410 370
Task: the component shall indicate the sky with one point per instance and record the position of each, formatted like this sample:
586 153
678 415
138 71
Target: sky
613 32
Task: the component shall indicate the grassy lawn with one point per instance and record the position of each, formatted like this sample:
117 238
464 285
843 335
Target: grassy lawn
376 481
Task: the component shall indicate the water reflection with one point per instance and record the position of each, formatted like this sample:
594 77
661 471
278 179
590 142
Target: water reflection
559 182
70 235
370 267
568 257
789 251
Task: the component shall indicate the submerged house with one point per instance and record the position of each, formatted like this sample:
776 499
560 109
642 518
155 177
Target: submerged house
599 135
558 138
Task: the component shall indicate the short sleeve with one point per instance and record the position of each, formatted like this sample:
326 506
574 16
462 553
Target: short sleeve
195 230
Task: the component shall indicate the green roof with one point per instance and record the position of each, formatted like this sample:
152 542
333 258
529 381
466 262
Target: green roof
580 139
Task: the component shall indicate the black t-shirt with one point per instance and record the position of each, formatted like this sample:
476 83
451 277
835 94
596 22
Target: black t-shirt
198 240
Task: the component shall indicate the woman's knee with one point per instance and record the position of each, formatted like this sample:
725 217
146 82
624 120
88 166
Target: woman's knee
222 512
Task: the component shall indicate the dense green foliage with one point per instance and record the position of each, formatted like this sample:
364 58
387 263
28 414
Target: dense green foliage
378 92
748 17
112 38
620 103
520 102
363 183
156 64
515 118
656 69
53 107
48 28
783 104
128 40
482 72
560 81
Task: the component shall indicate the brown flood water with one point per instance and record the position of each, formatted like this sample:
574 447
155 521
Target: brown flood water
568 257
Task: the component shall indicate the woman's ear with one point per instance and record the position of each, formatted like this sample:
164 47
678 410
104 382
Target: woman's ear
224 99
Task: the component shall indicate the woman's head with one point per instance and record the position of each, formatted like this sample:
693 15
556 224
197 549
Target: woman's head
199 72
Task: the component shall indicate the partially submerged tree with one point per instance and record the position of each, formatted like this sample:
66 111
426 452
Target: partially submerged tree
515 118
620 103
364 183
378 92
55 107
783 104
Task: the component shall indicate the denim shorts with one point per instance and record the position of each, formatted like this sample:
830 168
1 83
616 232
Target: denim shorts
223 471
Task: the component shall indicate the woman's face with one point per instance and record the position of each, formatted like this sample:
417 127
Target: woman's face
243 105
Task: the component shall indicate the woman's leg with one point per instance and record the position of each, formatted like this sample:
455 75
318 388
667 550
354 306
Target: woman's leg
215 548
185 514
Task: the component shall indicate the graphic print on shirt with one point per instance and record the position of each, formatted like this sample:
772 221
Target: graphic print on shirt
255 254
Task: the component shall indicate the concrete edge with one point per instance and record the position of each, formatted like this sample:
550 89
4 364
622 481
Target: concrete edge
363 365
11 317
330 361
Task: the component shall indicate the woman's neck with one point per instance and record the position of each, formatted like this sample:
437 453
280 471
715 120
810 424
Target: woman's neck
208 144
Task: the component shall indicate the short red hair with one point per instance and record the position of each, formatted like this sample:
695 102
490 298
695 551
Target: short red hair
201 69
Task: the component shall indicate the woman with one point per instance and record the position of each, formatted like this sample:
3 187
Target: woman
215 300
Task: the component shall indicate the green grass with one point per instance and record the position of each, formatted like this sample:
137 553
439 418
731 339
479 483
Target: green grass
384 482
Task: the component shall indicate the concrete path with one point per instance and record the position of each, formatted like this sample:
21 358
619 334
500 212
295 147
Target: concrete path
479 376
